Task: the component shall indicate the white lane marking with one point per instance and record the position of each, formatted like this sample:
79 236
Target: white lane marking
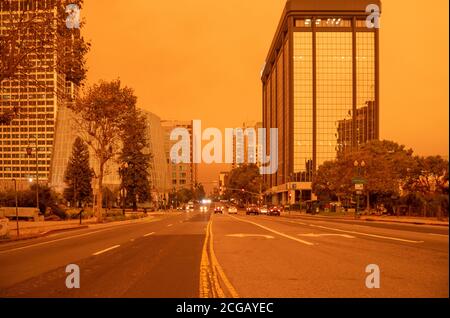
273 231
169 225
106 250
297 222
319 235
435 234
251 235
148 234
367 234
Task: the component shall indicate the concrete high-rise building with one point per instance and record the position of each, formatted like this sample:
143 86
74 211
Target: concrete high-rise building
182 175
223 181
322 68
159 168
39 89
245 147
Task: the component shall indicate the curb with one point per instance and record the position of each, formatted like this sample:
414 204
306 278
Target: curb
79 227
43 234
406 222
64 230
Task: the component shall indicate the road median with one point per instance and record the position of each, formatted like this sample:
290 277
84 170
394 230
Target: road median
372 218
32 230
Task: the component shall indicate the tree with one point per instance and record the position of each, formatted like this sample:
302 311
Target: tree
78 176
247 178
199 192
134 161
27 198
99 117
108 197
181 196
34 31
428 180
386 166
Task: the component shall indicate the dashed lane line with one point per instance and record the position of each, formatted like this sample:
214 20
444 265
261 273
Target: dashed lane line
106 250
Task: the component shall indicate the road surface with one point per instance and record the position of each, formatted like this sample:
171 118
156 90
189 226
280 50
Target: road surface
193 254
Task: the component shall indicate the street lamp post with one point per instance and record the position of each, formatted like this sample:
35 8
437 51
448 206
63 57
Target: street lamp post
17 207
123 168
29 153
358 185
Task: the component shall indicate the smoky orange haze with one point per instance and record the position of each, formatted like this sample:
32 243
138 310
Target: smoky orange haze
201 59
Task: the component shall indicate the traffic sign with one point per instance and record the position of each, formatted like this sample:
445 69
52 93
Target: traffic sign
359 187
359 180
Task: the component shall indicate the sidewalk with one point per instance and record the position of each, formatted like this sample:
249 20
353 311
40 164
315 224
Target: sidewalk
375 218
28 230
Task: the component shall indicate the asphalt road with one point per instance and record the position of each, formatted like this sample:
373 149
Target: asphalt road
151 259
309 257
258 256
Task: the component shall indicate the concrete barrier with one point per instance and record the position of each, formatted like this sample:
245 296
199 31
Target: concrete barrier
23 213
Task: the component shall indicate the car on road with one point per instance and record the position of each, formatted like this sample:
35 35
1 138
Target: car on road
274 211
232 210
203 208
264 210
218 209
252 209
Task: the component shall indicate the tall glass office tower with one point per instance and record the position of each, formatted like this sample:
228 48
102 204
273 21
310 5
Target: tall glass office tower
320 89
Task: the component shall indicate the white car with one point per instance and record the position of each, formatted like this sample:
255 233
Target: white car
264 210
232 210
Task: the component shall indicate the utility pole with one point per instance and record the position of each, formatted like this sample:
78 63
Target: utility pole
37 173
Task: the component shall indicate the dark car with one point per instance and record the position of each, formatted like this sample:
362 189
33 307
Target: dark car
274 211
218 209
253 209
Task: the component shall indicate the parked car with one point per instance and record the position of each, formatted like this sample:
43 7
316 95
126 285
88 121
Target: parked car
264 210
232 210
253 209
274 211
218 209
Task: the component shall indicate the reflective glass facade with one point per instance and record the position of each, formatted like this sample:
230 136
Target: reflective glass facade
303 102
334 86
329 82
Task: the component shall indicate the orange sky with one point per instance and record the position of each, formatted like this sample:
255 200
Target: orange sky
201 59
